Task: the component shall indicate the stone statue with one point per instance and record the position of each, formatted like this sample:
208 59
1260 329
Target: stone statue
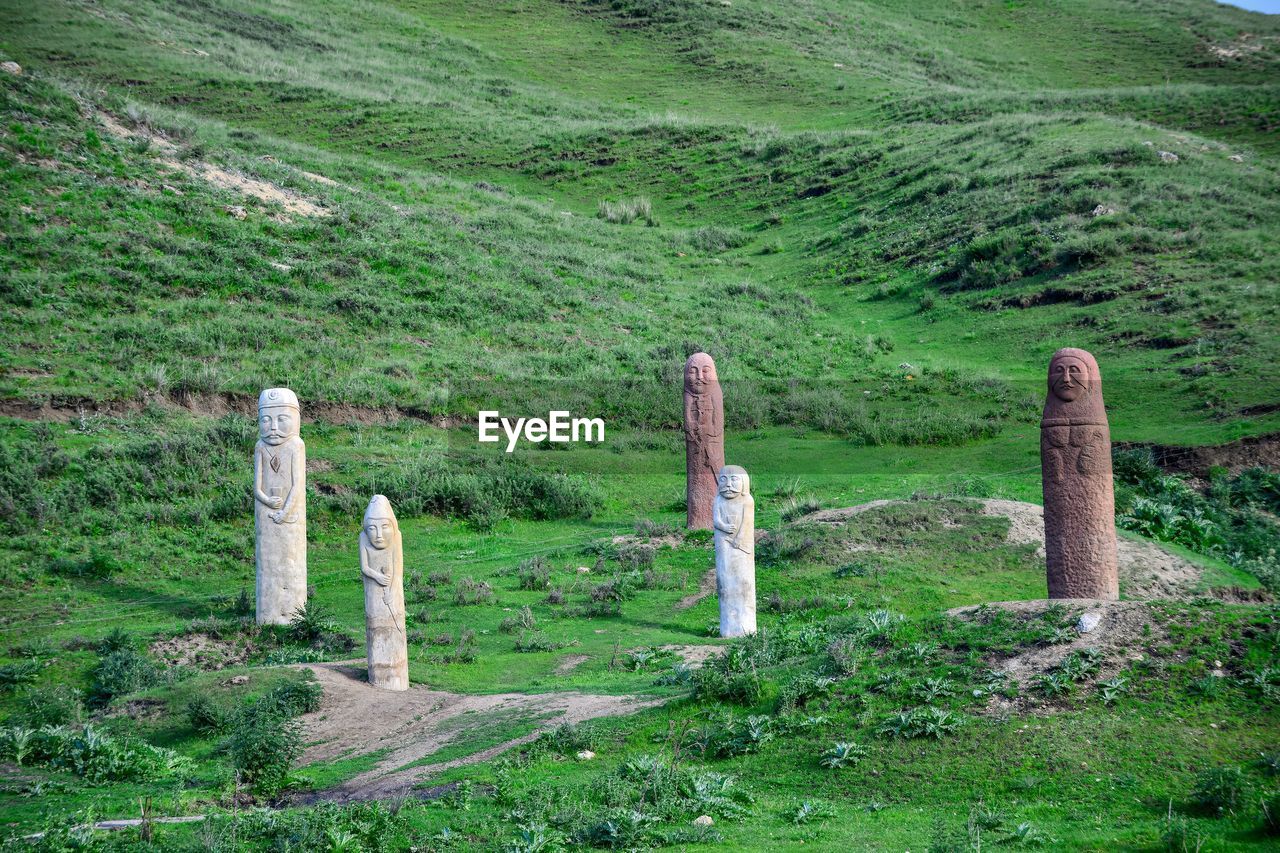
280 508
735 539
703 438
1079 503
382 568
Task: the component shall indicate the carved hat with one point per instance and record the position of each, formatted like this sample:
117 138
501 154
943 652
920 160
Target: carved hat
700 359
379 507
278 398
1075 390
741 472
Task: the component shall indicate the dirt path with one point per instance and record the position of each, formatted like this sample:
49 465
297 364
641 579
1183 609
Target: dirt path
355 719
1147 571
706 586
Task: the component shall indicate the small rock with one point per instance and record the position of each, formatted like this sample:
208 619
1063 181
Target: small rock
237 211
586 755
281 267
1168 157
837 65
10 67
1149 144
584 570
1088 622
1103 210
1236 158
1218 664
703 820
238 679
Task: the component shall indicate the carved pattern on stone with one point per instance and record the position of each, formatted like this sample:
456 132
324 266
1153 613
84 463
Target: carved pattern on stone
734 517
1079 501
704 438
280 508
382 570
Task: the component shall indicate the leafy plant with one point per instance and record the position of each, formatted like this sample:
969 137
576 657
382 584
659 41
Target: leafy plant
1219 791
263 744
842 754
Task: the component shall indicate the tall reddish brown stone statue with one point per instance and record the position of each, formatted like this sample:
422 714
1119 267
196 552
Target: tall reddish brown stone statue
1075 459
703 438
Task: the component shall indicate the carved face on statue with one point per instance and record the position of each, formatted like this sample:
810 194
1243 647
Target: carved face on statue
379 531
699 373
733 482
380 526
276 426
278 416
1069 378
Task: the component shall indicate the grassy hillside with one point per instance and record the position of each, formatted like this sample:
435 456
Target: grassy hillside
880 218
918 233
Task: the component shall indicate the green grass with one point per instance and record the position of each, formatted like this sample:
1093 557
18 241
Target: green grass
878 217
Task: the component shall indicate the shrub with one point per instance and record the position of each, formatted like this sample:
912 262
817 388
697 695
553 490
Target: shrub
296 697
536 641
522 621
472 592
1219 791
57 705
206 715
15 674
263 744
99 565
1270 806
310 623
534 574
121 672
713 238
793 508
617 589
90 754
626 211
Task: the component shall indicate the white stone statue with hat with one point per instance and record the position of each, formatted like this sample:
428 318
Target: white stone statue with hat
280 508
382 569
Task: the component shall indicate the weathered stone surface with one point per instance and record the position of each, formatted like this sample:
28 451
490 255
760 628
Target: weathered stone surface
703 438
1087 622
1079 502
703 820
280 508
382 568
735 542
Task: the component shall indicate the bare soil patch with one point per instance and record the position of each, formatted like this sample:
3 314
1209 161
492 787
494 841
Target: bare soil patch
356 719
571 662
694 654
669 540
261 190
843 514
202 651
1127 631
1235 456
706 587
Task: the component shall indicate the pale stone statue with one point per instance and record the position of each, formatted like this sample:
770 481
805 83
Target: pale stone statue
735 541
703 438
1079 503
280 508
382 568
